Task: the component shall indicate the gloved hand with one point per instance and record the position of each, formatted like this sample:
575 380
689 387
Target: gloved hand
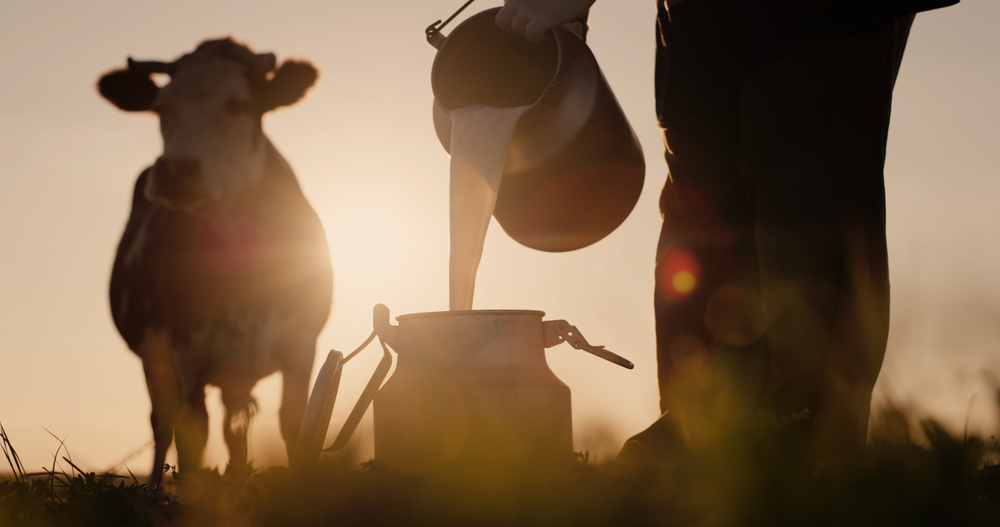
531 19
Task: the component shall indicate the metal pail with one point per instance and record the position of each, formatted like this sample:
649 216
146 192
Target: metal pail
574 168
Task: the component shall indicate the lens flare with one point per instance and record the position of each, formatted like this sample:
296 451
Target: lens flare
683 282
678 273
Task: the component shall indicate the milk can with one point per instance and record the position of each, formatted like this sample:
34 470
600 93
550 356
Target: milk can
468 385
574 168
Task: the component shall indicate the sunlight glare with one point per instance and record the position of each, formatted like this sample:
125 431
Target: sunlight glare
683 281
679 273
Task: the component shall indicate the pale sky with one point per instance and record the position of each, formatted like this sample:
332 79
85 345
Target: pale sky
363 145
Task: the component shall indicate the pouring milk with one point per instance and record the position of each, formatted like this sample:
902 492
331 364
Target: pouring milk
480 136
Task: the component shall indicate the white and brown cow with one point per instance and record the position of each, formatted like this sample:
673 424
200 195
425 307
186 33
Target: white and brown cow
223 274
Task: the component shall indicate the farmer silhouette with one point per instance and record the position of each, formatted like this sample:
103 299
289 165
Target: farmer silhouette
771 268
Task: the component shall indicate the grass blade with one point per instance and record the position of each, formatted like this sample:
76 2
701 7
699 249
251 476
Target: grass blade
11 455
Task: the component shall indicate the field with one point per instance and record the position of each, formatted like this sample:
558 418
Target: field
913 474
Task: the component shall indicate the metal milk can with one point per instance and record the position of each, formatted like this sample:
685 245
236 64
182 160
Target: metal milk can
574 168
468 385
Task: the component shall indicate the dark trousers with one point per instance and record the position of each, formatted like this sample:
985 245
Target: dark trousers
772 264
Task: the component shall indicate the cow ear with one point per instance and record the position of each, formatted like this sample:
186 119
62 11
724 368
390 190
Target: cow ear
287 86
128 90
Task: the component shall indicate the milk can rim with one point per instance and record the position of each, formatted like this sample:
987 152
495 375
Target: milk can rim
473 312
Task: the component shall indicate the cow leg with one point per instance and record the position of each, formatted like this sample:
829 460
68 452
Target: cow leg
240 409
192 430
295 391
161 381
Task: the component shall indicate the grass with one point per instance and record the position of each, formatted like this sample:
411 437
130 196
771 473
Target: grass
78 499
913 474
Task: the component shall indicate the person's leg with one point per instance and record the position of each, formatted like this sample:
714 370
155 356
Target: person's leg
814 127
709 316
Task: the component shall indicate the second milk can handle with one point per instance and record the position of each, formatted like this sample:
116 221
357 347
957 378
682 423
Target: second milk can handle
558 331
319 409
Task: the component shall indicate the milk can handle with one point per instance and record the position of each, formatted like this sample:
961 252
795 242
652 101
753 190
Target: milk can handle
558 331
319 409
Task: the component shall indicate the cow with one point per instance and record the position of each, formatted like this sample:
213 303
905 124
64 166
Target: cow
223 275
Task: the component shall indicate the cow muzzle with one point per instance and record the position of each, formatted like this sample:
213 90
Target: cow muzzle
176 182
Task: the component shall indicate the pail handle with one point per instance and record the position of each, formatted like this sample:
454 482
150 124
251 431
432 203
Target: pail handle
435 38
319 409
433 31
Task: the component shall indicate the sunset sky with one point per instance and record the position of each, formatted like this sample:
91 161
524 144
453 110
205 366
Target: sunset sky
363 146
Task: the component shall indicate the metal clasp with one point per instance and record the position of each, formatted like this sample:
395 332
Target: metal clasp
558 331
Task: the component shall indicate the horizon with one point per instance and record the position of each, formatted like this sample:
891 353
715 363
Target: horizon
363 146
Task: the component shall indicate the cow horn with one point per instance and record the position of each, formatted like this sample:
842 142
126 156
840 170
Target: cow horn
264 63
150 66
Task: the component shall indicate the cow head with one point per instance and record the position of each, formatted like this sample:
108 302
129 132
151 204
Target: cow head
214 150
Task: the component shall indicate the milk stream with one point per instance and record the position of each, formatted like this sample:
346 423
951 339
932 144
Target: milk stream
480 136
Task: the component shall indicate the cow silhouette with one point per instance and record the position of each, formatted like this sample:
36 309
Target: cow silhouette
223 274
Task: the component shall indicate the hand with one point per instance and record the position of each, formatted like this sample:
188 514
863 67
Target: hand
531 19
